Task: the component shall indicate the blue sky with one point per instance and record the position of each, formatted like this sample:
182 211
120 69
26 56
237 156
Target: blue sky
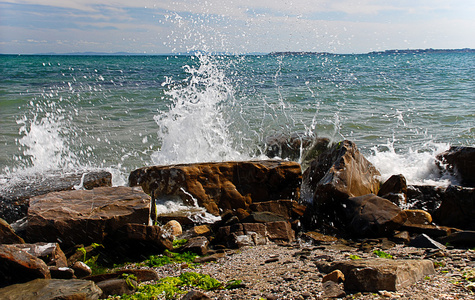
153 27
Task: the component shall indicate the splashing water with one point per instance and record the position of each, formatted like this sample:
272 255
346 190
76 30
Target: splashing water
194 128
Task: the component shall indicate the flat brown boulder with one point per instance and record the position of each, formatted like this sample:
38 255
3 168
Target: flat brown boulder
85 216
47 289
373 275
337 174
222 185
17 266
461 162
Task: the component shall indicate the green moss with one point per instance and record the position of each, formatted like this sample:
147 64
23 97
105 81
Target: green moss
170 258
353 257
179 243
382 254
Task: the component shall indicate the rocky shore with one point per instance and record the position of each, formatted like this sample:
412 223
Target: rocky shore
262 229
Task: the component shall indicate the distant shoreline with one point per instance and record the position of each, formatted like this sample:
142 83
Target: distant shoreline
276 53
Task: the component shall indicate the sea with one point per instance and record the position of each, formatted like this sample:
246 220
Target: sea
65 113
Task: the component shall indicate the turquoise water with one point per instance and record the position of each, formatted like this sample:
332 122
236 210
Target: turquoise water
125 112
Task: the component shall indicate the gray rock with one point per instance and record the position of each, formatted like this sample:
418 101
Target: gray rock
47 289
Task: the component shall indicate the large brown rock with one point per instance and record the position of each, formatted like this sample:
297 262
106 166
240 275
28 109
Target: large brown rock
337 174
372 275
289 209
373 216
296 147
14 196
18 266
141 240
225 185
394 189
43 289
85 216
8 235
461 161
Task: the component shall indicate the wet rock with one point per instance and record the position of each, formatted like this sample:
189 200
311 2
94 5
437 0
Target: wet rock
225 185
335 276
8 235
117 286
14 197
336 175
172 229
402 237
371 215
17 266
198 245
460 239
85 216
461 162
457 208
417 216
424 241
280 231
289 209
425 197
296 147
81 269
433 231
50 253
43 289
372 275
263 217
394 189
61 272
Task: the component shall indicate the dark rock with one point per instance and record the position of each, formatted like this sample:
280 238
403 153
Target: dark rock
14 198
225 185
8 235
334 176
239 235
402 237
461 162
372 275
195 295
433 231
17 266
333 290
394 189
50 253
263 217
117 287
296 147
371 215
425 197
81 269
198 245
424 241
61 272
461 238
42 289
209 258
289 209
85 216
457 208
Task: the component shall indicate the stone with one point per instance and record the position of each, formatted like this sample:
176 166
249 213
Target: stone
203 230
402 237
337 174
118 286
81 269
296 147
333 290
141 275
372 275
394 189
417 216
17 266
425 197
8 235
172 229
139 241
433 231
50 253
263 217
335 276
461 162
318 237
85 216
280 231
195 295
461 238
457 208
14 197
289 209
424 241
61 272
239 235
47 289
222 185
198 245
373 216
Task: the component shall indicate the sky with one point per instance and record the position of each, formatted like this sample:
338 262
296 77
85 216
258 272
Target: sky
237 26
